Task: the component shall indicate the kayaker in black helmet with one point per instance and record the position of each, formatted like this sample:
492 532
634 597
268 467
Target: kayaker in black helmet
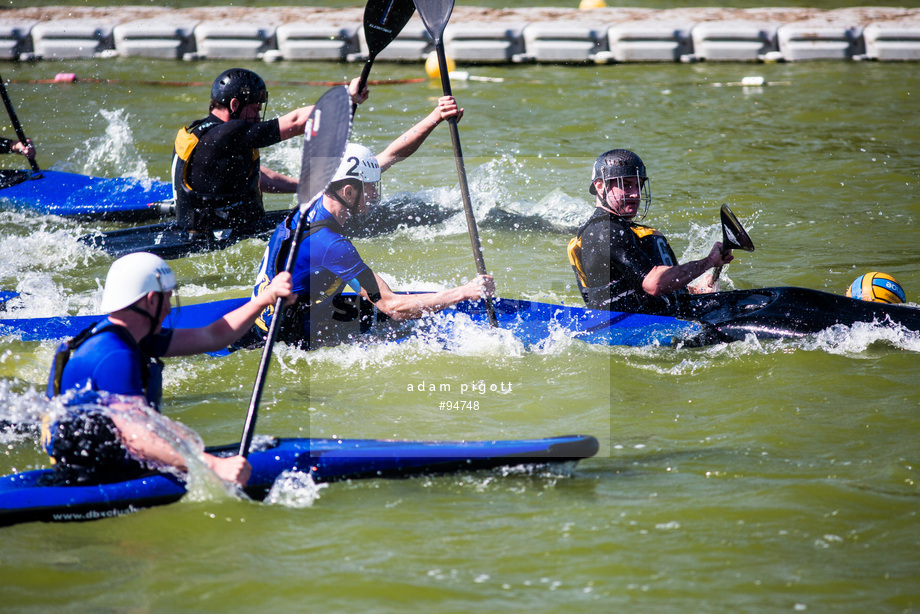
624 266
218 179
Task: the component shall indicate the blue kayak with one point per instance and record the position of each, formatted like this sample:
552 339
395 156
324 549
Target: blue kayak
25 498
531 322
72 195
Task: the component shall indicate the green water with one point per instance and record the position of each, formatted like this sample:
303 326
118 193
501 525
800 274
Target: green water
754 477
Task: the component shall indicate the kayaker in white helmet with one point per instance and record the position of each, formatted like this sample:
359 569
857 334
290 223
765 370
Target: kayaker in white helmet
328 263
120 355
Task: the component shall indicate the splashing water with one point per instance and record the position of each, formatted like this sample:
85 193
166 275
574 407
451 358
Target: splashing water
294 489
37 259
854 341
20 413
494 186
114 153
21 416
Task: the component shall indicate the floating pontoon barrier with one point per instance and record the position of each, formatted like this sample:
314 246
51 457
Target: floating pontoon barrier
166 39
317 41
482 42
563 42
72 39
650 40
887 41
232 40
15 38
821 41
733 41
539 35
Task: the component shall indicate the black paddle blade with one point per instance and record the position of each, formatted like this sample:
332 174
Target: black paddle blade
734 236
435 14
325 138
383 21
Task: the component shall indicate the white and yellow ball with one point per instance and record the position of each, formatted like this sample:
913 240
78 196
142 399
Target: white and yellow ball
877 287
592 4
432 67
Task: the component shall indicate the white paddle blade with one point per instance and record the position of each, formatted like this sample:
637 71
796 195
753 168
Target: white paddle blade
325 137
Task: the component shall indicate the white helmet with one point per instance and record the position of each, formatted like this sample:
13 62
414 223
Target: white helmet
131 277
359 164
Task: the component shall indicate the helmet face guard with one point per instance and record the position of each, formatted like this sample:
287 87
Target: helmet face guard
618 165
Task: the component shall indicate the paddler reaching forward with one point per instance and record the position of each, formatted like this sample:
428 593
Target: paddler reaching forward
621 265
218 179
328 263
121 356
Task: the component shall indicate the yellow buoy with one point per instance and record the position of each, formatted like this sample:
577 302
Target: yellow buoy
592 4
432 68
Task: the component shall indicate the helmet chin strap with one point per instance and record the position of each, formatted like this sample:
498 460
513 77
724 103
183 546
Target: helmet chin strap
154 322
352 207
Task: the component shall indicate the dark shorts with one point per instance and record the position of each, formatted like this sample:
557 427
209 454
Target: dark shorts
87 450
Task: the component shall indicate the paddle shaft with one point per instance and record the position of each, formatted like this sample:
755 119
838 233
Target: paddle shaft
261 376
325 137
464 187
15 121
362 81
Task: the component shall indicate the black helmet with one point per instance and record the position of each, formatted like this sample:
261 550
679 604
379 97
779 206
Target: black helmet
244 85
617 163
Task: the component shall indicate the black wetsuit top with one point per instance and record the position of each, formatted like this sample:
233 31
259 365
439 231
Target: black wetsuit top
615 256
6 146
223 172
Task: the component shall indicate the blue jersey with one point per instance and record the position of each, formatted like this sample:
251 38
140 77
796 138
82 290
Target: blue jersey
327 263
109 360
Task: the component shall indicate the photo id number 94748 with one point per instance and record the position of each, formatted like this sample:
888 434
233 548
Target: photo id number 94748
458 405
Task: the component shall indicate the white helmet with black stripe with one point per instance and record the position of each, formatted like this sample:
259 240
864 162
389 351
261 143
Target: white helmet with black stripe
359 166
131 277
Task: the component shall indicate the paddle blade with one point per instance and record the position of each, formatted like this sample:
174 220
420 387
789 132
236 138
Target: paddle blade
734 236
435 14
325 138
383 21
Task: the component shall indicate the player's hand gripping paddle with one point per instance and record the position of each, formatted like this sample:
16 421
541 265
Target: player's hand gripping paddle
383 21
17 127
734 236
